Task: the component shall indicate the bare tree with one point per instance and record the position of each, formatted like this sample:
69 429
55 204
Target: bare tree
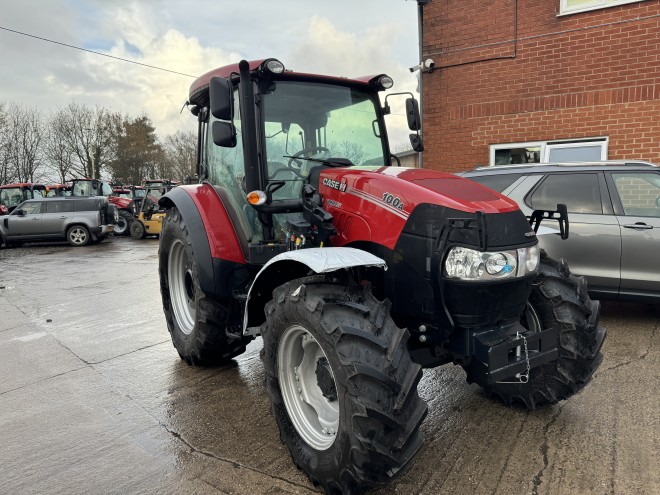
57 149
181 154
4 139
22 147
90 136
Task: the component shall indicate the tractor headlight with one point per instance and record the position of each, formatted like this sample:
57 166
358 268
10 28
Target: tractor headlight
469 264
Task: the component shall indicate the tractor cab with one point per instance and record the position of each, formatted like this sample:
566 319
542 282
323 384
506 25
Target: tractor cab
58 190
267 133
12 195
91 187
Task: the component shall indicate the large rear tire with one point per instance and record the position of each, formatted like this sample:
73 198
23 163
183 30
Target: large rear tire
342 386
201 327
124 221
559 300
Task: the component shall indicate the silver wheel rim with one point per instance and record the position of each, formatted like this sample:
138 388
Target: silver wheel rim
182 292
315 418
120 228
78 236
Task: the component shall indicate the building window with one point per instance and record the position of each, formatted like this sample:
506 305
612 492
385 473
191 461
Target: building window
574 6
579 150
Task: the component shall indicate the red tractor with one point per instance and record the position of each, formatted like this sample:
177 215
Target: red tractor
356 273
97 187
12 195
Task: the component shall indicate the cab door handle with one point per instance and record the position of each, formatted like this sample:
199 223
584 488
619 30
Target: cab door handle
638 226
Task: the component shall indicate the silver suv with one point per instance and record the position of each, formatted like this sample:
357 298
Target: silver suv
80 221
614 219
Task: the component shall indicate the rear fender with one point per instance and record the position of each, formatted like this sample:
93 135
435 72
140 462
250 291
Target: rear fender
295 264
211 233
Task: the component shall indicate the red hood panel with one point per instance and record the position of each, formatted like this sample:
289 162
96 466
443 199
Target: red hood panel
374 203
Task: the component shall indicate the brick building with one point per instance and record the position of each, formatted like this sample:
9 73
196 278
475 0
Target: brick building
540 80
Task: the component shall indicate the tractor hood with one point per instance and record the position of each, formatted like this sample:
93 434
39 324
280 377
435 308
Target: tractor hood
410 187
376 202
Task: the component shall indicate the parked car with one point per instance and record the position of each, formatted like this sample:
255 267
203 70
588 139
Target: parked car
614 219
80 221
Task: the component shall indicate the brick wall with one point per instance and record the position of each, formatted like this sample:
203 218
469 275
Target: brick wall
513 71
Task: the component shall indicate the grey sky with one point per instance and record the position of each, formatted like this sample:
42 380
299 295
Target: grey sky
342 37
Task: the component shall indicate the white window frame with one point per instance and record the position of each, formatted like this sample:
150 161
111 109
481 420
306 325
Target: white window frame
506 146
546 146
604 144
564 9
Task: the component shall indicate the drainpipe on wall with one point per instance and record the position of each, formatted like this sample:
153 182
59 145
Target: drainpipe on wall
420 34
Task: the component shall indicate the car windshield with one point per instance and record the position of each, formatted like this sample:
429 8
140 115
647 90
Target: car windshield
322 122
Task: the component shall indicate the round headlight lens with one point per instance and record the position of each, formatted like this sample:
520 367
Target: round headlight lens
275 66
496 263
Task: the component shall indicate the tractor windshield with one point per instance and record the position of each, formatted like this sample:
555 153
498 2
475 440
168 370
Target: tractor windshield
305 123
12 197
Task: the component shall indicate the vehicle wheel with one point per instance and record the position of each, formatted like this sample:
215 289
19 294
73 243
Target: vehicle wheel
137 230
560 301
124 221
342 386
78 235
202 329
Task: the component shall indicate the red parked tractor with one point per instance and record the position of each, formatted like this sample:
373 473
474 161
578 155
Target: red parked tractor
356 273
12 195
97 187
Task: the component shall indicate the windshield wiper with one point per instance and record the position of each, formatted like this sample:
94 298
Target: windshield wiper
335 162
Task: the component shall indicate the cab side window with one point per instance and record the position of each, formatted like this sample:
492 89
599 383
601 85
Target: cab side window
579 192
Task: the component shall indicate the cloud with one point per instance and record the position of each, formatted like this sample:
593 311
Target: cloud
172 35
326 49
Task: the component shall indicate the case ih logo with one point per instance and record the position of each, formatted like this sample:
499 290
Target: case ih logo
340 186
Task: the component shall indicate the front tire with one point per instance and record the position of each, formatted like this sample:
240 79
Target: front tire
560 300
203 330
342 386
137 230
78 236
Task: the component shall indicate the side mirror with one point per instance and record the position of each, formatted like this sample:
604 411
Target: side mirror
416 143
412 112
224 134
221 98
20 212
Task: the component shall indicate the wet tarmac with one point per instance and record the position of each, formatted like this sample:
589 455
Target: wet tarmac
94 399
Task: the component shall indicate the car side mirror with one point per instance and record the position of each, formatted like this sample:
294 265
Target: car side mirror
221 98
20 212
224 134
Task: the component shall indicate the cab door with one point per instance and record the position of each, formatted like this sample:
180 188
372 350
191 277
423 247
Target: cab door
636 198
27 224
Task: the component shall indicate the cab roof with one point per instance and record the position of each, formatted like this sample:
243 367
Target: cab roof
201 84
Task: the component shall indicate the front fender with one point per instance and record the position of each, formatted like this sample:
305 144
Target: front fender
295 264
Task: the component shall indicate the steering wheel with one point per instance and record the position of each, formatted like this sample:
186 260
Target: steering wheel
312 149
